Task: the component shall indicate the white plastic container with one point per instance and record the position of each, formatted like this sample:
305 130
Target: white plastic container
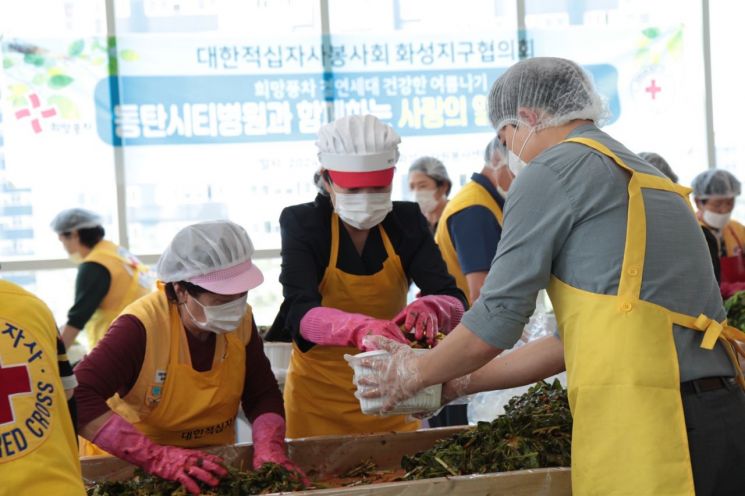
279 357
278 354
426 400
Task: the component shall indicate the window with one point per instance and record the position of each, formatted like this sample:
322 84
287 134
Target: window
177 111
728 105
50 157
646 58
428 67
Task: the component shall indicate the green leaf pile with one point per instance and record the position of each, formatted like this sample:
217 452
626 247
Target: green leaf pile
735 306
270 478
534 432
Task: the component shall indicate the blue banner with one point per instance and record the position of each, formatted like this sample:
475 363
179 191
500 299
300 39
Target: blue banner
177 110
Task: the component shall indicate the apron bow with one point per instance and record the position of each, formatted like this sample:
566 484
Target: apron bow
711 328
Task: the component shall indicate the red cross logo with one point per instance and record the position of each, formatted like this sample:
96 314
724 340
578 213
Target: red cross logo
34 112
653 89
13 380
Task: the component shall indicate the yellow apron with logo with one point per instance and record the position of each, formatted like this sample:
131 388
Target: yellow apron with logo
470 195
37 440
319 393
129 281
173 404
629 435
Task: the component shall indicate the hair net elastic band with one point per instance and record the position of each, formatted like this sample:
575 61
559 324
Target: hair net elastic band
358 163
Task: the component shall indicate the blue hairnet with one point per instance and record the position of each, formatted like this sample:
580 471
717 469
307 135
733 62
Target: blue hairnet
715 183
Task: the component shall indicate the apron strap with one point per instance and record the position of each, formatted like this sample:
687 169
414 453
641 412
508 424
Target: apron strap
387 243
334 252
734 235
713 331
630 283
176 353
644 180
491 203
334 255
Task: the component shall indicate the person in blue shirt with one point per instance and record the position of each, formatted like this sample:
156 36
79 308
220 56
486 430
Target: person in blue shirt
468 234
471 225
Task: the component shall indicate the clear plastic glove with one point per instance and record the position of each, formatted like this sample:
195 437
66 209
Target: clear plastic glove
428 315
120 438
332 327
397 379
456 388
451 391
268 433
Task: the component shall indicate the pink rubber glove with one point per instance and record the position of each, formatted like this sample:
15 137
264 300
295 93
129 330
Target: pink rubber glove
428 315
268 433
120 438
332 327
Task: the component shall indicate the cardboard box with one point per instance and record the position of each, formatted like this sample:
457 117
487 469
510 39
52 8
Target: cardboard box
332 455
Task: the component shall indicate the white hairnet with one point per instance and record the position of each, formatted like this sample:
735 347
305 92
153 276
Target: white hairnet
357 135
432 167
203 248
494 146
73 219
660 164
559 90
715 183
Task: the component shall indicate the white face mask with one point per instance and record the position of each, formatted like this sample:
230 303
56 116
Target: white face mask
426 200
363 210
220 318
515 163
715 220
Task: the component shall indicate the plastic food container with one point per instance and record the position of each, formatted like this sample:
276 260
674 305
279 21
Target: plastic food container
278 354
426 400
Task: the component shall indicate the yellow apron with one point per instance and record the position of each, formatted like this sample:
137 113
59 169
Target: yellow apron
732 263
319 393
193 409
37 440
733 237
629 433
129 281
470 195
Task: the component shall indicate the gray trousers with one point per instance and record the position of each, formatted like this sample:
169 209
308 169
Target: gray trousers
715 421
